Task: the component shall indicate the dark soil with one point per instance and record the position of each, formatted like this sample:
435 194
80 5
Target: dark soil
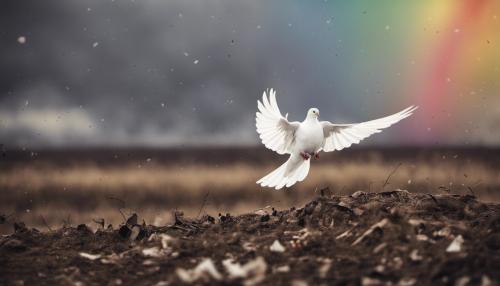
389 238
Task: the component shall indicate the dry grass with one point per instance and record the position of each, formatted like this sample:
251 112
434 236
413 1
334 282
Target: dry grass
82 191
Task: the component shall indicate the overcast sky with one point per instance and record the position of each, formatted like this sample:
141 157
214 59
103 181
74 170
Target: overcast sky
163 73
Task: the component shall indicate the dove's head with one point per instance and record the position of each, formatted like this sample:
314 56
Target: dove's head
313 113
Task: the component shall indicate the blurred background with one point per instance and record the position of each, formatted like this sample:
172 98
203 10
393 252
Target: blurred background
147 106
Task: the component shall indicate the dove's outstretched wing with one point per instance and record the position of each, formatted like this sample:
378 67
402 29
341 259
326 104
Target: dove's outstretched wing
275 131
340 136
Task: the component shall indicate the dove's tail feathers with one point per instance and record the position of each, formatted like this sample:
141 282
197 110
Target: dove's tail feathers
292 171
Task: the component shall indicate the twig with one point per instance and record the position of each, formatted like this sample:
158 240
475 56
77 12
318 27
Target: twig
122 202
205 199
45 223
390 175
471 191
67 221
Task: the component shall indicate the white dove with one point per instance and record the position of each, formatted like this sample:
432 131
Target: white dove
303 140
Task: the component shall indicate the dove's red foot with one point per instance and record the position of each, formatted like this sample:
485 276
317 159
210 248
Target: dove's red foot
305 156
316 156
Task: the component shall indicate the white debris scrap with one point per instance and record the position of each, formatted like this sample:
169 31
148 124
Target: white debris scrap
407 281
283 269
165 239
204 270
253 271
379 224
415 256
113 258
153 252
325 267
456 244
277 247
444 232
90 256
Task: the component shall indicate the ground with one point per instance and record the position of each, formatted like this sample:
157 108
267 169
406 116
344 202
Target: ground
387 238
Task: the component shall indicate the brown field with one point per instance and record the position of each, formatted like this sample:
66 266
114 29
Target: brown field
46 189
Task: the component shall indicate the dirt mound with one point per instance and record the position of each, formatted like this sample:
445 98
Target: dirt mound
363 239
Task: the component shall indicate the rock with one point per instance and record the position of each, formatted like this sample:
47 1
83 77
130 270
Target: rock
264 218
124 231
132 220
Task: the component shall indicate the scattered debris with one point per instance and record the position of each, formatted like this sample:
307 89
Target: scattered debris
326 264
253 271
406 238
406 281
277 247
462 281
90 256
378 225
379 247
282 269
456 244
99 222
415 256
204 271
153 252
368 281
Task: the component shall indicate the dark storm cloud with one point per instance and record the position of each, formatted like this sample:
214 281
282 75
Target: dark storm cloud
158 72
144 72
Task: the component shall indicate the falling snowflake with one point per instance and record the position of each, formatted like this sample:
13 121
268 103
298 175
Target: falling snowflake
196 62
95 44
186 54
